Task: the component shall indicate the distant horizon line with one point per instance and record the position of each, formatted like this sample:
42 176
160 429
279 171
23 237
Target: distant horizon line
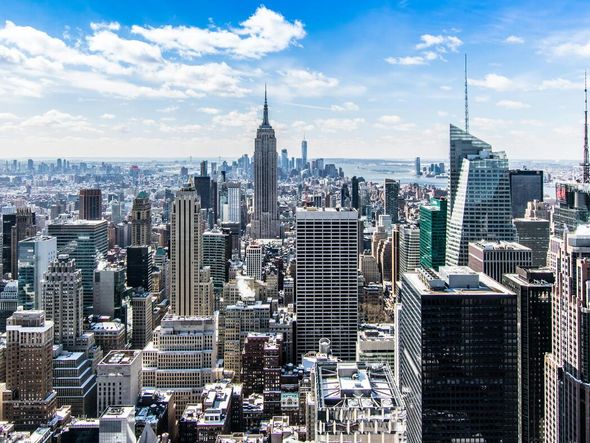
171 158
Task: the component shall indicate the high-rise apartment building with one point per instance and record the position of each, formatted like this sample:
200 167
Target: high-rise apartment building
567 367
143 318
409 248
498 258
90 204
31 399
265 219
326 279
34 256
533 289
433 233
141 220
84 241
458 356
62 300
186 256
525 185
390 197
254 260
481 206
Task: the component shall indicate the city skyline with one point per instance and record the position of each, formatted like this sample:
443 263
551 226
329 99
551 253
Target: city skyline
129 82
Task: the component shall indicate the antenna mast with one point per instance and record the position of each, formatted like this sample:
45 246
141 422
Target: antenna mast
466 99
586 162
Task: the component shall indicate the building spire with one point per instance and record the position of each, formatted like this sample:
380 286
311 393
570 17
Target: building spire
265 113
586 162
466 99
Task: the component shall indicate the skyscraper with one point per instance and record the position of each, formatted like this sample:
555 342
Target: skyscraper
29 370
458 356
141 220
265 220
390 196
433 233
498 258
326 279
85 241
354 192
409 248
34 256
304 154
23 227
481 206
533 289
567 367
462 144
62 300
186 255
525 186
139 267
90 204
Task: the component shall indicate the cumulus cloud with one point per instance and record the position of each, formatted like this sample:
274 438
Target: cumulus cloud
512 104
514 40
264 32
406 61
494 81
346 106
307 83
431 47
208 110
107 116
106 62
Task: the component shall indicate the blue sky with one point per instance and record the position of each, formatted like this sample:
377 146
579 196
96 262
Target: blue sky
371 79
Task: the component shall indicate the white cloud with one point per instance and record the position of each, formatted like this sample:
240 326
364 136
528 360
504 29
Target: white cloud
306 83
346 106
442 43
112 26
118 49
432 47
512 104
495 82
406 61
482 98
238 119
208 110
107 116
264 32
514 40
57 120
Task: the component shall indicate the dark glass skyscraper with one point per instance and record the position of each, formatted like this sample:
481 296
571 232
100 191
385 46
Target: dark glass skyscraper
90 204
533 297
458 357
525 186
391 194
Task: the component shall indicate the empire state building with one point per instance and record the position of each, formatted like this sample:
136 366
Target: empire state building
265 220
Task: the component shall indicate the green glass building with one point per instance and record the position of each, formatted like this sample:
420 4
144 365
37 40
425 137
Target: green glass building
433 233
